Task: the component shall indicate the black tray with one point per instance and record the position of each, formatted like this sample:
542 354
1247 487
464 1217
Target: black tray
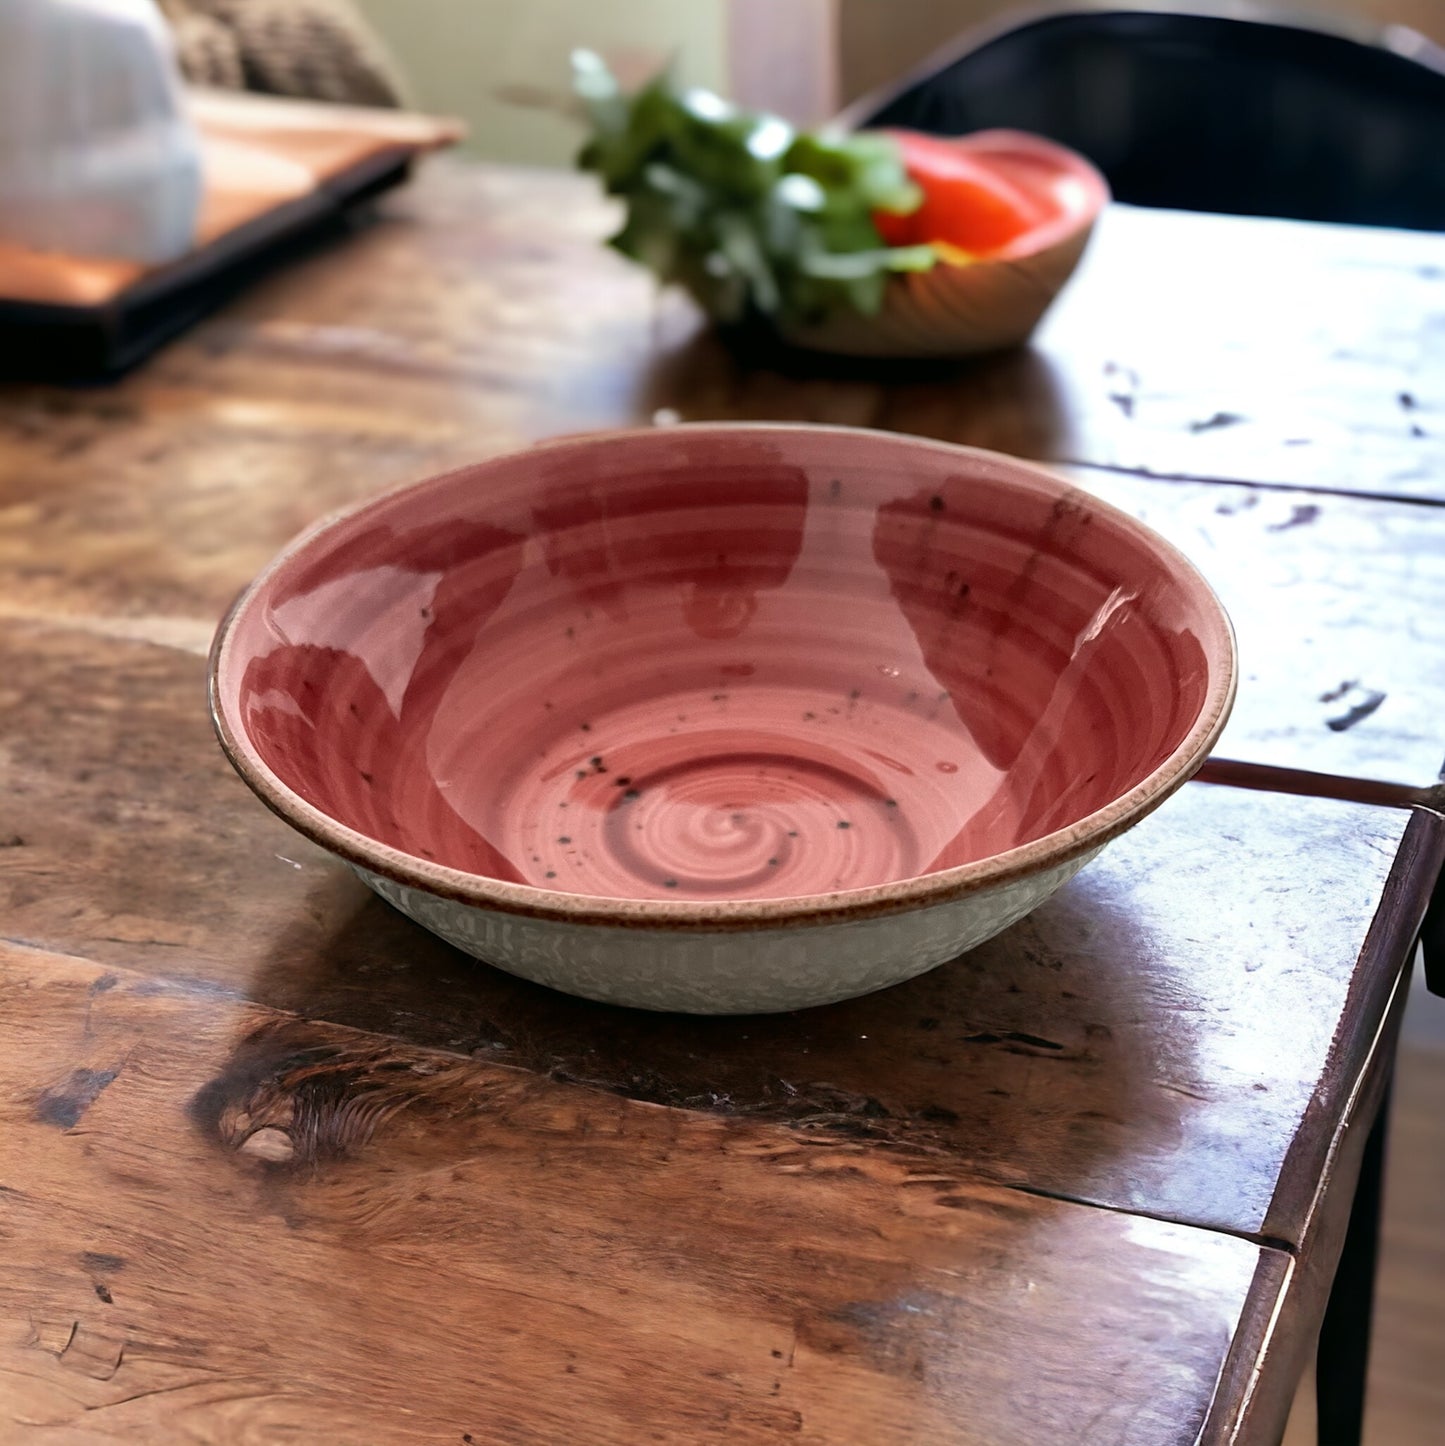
46 342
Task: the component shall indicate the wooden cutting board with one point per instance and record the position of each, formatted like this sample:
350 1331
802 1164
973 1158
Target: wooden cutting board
273 169
260 155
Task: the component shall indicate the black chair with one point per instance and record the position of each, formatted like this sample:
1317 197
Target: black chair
1207 112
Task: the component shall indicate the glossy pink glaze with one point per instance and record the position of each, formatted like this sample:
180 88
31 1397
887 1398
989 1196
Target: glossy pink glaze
720 663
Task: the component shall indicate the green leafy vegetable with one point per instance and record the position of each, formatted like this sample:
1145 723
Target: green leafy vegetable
751 216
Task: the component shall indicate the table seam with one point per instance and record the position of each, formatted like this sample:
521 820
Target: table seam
1147 474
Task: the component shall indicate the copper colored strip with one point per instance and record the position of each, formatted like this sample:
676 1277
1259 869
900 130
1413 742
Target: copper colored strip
1271 779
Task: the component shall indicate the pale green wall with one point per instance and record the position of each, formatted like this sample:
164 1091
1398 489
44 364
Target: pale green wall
457 54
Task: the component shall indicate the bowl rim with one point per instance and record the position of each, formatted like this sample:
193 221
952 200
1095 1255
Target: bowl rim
1062 846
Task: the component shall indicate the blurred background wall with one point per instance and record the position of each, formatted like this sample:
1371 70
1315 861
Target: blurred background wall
475 58
466 57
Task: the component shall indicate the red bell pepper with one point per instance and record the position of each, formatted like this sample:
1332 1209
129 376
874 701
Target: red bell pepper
968 203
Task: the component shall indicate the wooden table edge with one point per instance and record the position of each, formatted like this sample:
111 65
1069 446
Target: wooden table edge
1270 1350
1364 1046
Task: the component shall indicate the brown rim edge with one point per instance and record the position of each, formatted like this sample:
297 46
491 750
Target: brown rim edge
727 916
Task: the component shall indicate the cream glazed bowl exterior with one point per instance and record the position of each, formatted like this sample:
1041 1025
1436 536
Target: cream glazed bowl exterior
723 719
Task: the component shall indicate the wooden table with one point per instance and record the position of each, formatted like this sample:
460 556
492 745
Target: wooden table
277 1165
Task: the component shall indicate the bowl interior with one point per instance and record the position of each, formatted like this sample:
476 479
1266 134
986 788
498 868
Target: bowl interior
720 663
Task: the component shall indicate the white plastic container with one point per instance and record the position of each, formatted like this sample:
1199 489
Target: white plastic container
97 154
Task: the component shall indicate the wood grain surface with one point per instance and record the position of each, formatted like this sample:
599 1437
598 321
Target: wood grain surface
450 1252
1151 1039
480 311
280 1165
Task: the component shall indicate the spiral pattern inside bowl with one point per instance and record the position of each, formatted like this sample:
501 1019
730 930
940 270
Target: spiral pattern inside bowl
721 665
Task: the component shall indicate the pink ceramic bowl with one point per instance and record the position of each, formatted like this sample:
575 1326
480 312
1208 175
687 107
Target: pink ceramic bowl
723 718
